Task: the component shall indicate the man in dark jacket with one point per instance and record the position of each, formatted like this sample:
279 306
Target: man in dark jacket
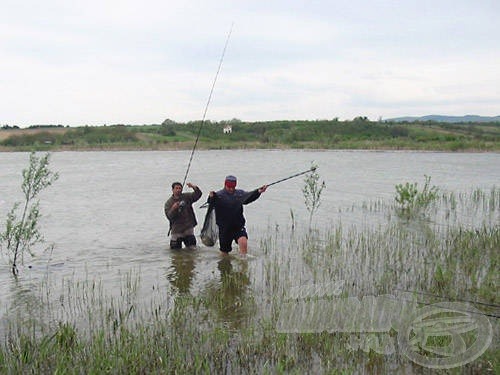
228 204
180 213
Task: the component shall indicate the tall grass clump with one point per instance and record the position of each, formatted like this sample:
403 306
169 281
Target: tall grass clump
21 231
99 333
232 323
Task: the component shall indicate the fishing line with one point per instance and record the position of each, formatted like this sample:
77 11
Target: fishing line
433 304
447 298
208 102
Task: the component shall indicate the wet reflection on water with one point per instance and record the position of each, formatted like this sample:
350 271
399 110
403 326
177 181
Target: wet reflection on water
181 272
230 296
225 291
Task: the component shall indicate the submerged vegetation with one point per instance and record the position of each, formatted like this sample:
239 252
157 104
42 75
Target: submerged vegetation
359 133
238 324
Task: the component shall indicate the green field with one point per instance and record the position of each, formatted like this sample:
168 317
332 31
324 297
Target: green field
359 133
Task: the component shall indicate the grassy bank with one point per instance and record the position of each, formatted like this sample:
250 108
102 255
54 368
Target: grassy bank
359 133
449 251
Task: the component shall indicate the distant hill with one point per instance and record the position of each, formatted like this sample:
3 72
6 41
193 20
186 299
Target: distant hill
441 118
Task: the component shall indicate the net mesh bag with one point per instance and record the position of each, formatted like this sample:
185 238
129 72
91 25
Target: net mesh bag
210 232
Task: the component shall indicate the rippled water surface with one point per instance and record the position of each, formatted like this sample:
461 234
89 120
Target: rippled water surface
104 216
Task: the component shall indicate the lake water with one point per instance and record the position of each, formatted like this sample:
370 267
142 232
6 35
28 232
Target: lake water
105 217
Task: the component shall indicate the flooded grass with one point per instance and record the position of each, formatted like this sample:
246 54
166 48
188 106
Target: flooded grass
272 314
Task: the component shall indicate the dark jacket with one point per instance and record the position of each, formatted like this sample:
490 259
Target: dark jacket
183 218
229 207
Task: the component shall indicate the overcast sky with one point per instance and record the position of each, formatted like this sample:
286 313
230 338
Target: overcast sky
140 62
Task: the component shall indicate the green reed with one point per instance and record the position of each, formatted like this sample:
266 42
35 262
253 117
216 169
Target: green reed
231 325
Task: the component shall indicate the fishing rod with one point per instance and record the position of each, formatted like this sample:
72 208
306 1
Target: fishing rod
312 169
208 103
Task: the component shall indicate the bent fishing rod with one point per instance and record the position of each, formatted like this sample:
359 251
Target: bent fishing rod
208 103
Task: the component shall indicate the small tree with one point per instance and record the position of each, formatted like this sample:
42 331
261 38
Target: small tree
312 191
22 233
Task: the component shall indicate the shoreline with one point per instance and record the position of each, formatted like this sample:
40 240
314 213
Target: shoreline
111 148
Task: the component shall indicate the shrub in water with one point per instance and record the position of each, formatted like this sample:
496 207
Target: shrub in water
22 232
410 199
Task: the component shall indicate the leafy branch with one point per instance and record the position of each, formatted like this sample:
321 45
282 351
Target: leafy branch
22 231
312 191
